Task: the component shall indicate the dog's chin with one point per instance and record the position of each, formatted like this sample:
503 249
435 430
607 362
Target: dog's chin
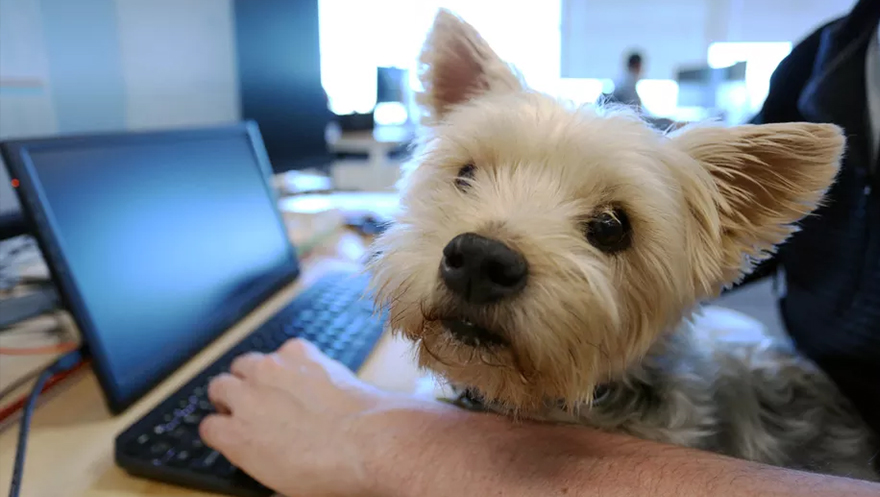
486 361
468 333
469 354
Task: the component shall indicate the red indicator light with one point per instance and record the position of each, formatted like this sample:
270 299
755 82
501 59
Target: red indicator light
14 183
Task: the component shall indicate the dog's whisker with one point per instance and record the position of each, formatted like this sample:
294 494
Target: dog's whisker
488 363
474 352
431 353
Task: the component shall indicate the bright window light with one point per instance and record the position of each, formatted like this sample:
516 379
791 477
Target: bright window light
659 96
582 90
389 114
358 36
761 59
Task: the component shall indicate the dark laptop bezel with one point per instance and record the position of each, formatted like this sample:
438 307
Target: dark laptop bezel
16 154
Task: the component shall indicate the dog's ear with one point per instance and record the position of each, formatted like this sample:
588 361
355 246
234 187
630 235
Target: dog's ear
456 65
766 178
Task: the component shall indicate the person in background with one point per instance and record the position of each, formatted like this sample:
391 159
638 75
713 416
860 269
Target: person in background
302 424
830 269
625 88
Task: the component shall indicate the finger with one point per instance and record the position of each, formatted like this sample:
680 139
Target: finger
221 433
297 349
261 369
226 392
302 352
306 358
244 365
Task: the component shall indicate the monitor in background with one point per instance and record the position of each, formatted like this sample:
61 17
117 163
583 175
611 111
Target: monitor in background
391 84
159 242
392 97
279 69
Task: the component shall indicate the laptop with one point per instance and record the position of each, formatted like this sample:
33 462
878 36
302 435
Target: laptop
158 243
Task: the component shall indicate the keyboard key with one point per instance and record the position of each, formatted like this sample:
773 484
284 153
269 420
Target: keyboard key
224 469
181 458
192 419
346 356
340 322
291 331
357 325
164 458
159 448
139 445
179 433
195 445
279 336
206 462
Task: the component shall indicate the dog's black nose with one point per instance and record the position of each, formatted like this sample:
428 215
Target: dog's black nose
482 270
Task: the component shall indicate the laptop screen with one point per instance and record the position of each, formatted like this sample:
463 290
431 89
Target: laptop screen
164 240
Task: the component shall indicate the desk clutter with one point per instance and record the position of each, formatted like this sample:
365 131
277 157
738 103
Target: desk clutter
34 331
313 211
26 349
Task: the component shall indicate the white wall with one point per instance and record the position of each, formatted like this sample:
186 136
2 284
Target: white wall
162 63
25 99
779 20
178 62
597 33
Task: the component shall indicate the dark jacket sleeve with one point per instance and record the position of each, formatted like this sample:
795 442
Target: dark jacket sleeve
781 105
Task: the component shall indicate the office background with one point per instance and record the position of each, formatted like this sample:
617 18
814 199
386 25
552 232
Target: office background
103 65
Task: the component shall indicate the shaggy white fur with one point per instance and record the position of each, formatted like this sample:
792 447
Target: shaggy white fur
699 206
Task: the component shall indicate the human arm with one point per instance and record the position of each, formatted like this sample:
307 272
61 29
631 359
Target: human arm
303 425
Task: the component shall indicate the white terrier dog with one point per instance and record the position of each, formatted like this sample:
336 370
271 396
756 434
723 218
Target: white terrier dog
547 259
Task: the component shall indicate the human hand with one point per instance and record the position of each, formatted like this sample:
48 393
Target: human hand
304 425
298 422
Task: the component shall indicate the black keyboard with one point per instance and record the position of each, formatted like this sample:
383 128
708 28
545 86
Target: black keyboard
334 314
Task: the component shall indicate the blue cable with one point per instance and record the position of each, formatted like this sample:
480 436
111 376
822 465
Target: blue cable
64 363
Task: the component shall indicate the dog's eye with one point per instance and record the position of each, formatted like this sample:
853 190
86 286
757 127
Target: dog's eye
609 231
465 175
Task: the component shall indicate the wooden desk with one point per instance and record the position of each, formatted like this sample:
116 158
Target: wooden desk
70 449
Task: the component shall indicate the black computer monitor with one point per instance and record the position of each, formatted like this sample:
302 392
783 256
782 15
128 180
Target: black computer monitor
279 78
158 241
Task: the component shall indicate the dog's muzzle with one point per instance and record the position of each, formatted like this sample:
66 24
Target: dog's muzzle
471 334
